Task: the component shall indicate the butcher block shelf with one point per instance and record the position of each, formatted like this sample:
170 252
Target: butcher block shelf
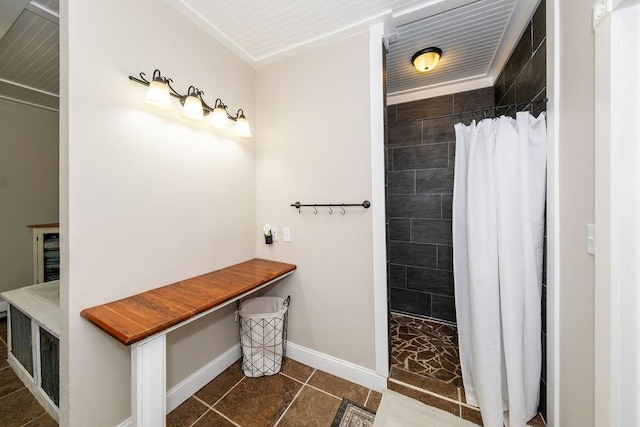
140 316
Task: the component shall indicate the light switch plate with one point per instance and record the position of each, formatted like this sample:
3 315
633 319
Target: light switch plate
286 234
591 239
274 233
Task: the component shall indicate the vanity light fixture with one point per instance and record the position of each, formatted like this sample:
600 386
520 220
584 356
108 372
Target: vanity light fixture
194 106
242 125
158 92
426 59
219 116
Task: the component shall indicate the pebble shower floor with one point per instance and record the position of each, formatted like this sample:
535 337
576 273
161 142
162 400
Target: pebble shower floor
424 356
426 348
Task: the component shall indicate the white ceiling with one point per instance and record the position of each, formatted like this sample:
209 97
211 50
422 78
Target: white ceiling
469 37
476 36
29 52
265 28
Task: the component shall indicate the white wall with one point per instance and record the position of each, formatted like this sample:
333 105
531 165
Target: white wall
314 146
148 198
573 97
28 186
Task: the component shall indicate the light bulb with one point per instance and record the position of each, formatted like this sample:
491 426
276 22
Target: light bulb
158 95
192 109
242 127
219 118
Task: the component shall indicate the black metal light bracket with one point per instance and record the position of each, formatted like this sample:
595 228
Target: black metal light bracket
191 91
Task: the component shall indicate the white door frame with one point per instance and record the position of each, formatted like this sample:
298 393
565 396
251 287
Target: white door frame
617 212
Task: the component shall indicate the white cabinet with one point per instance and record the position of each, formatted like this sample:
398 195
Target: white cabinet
46 252
33 331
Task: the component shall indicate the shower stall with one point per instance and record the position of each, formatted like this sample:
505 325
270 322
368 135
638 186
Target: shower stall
420 158
420 147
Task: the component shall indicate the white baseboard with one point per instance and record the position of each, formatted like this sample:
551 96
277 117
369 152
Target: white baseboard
338 367
201 377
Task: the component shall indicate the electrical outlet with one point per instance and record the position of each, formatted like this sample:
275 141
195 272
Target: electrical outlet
274 233
286 234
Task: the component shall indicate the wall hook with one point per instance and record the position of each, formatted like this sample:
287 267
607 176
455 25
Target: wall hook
315 210
330 211
342 211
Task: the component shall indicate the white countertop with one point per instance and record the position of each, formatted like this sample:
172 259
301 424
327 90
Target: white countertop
40 302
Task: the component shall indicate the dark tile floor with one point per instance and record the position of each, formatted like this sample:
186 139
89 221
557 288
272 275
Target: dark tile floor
297 396
18 407
425 365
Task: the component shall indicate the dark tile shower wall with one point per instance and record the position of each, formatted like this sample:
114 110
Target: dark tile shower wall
524 79
420 150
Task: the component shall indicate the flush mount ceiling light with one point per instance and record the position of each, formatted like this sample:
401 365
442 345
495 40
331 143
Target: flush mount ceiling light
194 107
426 59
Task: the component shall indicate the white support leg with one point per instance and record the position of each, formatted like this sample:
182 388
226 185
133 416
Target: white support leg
148 382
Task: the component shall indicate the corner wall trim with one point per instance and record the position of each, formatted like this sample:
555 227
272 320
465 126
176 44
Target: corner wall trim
378 216
338 367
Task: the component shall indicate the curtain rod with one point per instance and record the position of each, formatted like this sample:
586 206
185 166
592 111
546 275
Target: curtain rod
508 107
482 110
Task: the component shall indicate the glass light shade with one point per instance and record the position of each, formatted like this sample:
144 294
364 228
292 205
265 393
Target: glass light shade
242 127
158 95
192 109
426 61
219 118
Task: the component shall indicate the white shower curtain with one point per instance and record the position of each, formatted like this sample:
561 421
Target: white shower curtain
498 231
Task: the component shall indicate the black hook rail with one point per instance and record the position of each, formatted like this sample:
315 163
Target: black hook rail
366 204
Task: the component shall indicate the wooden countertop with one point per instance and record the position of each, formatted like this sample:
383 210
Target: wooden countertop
139 316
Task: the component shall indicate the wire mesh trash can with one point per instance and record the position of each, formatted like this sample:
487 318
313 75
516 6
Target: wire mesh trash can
263 334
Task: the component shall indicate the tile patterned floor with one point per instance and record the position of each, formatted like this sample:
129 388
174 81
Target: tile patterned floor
425 365
297 396
18 407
